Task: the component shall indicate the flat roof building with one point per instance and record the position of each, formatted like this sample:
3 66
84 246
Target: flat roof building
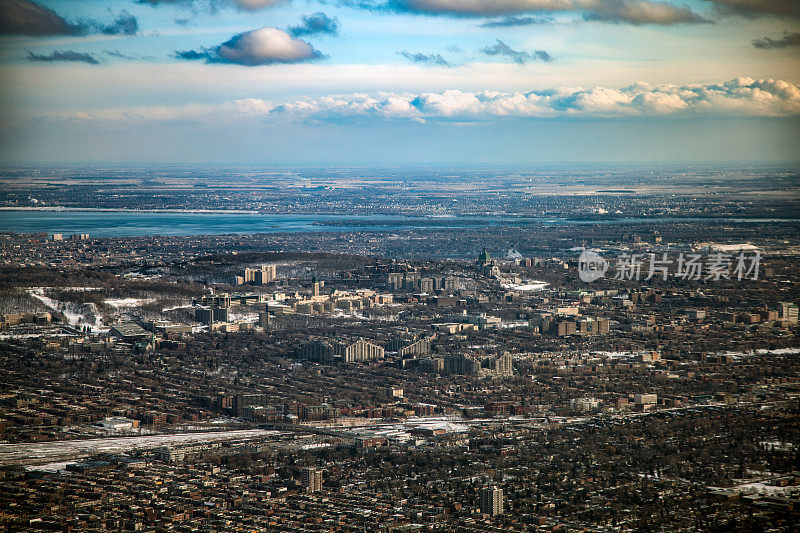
492 501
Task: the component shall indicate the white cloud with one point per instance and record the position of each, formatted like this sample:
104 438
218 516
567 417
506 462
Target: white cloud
265 45
740 96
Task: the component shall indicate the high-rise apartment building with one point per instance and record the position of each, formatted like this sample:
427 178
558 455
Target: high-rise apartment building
789 312
211 315
492 501
312 479
359 350
260 276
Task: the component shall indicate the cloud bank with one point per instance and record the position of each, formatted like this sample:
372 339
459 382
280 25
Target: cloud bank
629 11
738 97
659 12
263 46
758 8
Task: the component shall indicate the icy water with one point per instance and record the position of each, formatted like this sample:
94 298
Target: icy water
132 223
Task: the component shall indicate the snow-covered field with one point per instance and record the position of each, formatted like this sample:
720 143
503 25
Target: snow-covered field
50 467
339 313
616 355
128 302
763 351
766 488
244 317
528 286
76 315
81 315
781 351
38 453
176 307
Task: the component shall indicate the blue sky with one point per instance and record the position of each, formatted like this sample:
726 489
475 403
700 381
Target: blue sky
399 81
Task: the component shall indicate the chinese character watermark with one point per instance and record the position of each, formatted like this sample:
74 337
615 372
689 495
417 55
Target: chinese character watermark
684 267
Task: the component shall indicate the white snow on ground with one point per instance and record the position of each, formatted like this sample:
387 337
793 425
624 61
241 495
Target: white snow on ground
449 424
6 336
764 488
50 452
435 423
51 467
780 351
339 313
75 289
128 302
103 431
190 427
616 355
87 315
244 317
222 420
529 286
763 351
515 324
779 445
185 306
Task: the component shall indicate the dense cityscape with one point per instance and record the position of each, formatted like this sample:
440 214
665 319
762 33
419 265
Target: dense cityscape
400 266
594 373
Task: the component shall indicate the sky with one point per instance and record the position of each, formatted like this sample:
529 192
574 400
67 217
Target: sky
399 82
